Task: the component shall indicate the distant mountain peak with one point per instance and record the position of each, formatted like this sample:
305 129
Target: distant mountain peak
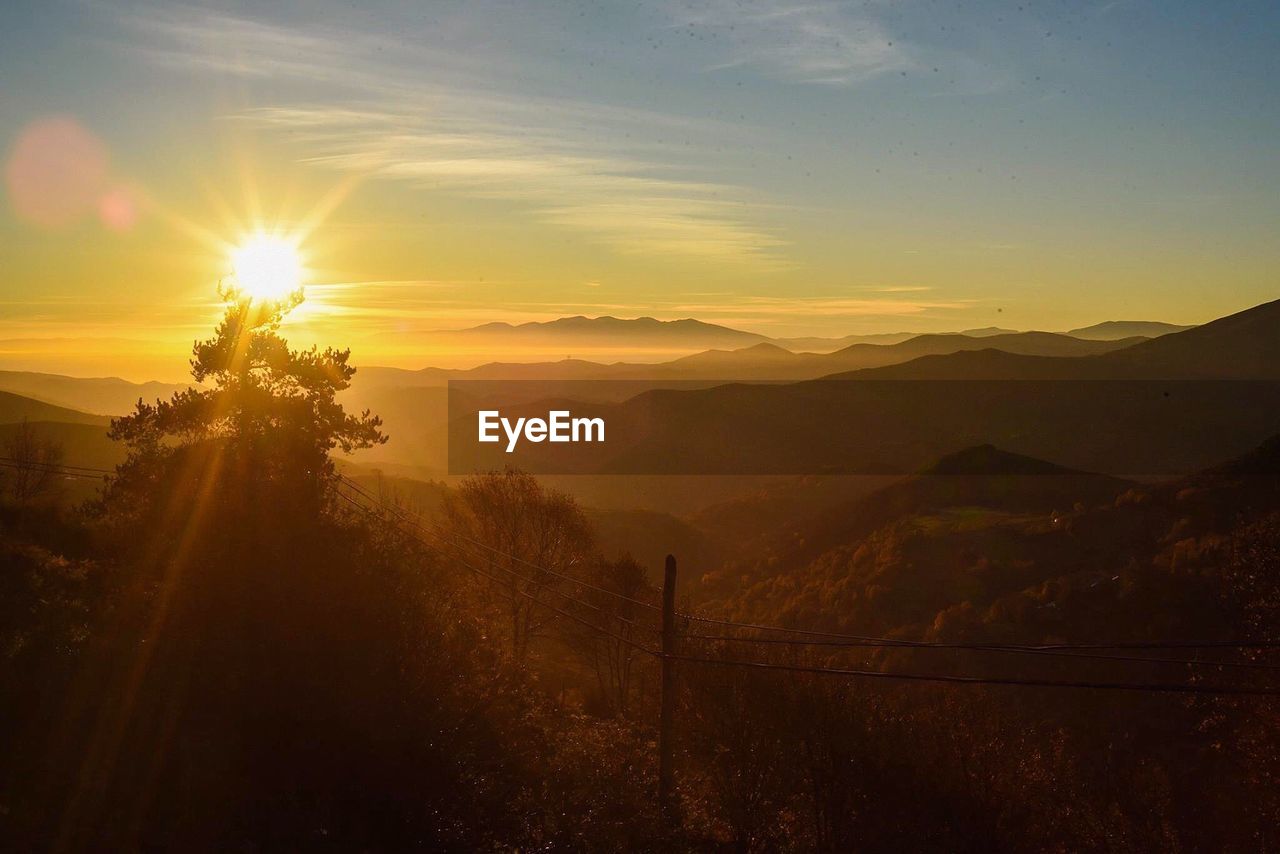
989 460
987 331
1116 329
580 331
766 348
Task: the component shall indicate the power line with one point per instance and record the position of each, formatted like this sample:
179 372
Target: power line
36 467
816 638
837 636
571 616
1231 644
55 465
1177 688
554 574
825 638
575 600
828 638
896 675
969 647
343 479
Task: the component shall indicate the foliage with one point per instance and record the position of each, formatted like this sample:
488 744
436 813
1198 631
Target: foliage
223 657
270 414
525 538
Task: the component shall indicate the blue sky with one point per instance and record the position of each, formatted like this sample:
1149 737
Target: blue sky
792 167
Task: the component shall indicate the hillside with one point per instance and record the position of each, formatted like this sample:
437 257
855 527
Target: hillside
978 477
98 395
1115 329
1241 345
81 436
981 476
82 444
1077 556
16 408
1245 345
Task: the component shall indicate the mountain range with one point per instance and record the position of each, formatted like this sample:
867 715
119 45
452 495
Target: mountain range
1245 345
815 425
704 351
761 361
1143 409
583 333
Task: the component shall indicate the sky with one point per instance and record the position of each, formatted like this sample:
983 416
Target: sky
783 166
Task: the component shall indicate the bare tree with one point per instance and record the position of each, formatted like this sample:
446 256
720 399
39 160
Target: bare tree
32 461
613 655
527 539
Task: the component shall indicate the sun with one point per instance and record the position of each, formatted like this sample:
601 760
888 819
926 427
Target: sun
267 267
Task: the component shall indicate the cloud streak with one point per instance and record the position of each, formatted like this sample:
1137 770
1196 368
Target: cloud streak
570 165
437 304
806 42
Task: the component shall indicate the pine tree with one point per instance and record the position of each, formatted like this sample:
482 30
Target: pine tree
262 422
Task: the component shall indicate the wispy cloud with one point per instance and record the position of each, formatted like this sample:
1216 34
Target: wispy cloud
419 305
768 308
628 202
808 42
191 39
569 164
898 289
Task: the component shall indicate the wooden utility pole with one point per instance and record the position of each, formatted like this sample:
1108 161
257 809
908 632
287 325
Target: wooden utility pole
665 800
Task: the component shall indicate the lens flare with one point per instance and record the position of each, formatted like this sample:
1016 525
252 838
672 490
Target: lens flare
56 172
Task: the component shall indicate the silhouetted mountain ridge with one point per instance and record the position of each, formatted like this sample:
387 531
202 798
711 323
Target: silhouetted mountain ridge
581 332
1113 329
1245 345
16 408
760 361
989 460
97 395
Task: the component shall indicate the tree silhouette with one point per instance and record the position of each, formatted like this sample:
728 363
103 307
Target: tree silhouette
268 415
517 531
33 461
614 657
